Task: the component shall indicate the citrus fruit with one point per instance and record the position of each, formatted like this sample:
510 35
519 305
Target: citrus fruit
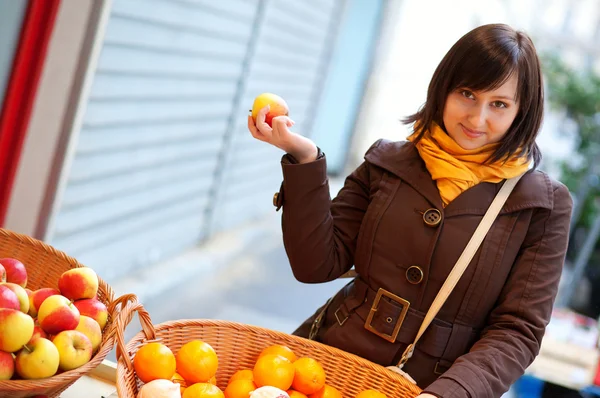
203 390
295 394
370 394
273 370
179 380
326 392
244 374
309 376
197 362
278 349
154 361
239 389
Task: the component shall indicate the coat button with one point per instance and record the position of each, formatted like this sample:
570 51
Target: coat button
275 198
432 217
414 275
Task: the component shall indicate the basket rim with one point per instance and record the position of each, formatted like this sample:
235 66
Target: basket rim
140 337
65 378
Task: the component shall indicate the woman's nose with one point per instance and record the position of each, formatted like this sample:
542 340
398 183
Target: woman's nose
478 117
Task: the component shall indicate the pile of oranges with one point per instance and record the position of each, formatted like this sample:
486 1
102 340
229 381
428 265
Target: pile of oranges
194 368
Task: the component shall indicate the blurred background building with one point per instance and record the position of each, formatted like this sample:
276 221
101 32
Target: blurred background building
123 135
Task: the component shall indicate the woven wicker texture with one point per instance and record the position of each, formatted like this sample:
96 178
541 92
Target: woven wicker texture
238 346
44 267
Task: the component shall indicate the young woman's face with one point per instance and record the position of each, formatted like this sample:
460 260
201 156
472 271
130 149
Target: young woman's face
474 119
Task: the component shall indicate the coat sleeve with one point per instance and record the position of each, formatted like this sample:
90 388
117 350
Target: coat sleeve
320 234
511 339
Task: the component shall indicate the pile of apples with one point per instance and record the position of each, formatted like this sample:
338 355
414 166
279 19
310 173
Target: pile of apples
49 330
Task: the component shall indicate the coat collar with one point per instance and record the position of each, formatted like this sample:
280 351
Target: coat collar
402 159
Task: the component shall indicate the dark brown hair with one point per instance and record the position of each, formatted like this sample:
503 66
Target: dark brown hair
483 60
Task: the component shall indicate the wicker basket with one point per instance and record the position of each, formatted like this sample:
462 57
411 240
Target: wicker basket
238 345
44 266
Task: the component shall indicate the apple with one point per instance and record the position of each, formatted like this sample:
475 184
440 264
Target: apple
7 365
95 309
37 298
38 360
37 333
278 107
91 329
78 283
15 271
57 313
16 329
2 273
21 295
74 349
8 298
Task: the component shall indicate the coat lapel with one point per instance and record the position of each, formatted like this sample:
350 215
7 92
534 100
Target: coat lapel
402 159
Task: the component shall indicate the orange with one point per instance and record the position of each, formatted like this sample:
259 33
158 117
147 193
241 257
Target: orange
275 371
326 392
213 380
154 361
309 376
370 394
244 374
240 389
203 390
197 362
179 380
295 394
278 349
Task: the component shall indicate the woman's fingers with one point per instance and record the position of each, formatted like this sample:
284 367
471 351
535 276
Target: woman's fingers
253 130
261 124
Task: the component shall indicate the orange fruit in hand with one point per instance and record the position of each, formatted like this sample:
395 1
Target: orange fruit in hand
326 392
197 362
203 390
370 394
239 389
309 376
278 349
245 374
275 371
154 361
295 394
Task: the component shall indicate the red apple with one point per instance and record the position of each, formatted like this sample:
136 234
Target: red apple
16 329
15 271
9 299
78 283
38 360
37 298
278 107
21 295
7 365
74 349
94 309
91 329
56 314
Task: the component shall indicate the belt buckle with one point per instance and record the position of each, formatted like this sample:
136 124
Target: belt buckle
374 307
337 317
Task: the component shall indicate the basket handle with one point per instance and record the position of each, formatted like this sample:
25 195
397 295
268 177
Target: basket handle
115 307
123 320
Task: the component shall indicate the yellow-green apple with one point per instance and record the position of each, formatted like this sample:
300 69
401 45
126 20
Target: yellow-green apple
21 295
9 299
91 329
74 349
57 313
38 359
37 298
16 329
15 271
37 333
95 309
278 107
78 283
7 365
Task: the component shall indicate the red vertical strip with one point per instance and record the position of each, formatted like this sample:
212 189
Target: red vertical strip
21 90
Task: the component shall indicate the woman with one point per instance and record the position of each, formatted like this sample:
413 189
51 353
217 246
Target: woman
406 213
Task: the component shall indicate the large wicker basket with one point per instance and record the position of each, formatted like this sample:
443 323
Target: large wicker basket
238 345
44 266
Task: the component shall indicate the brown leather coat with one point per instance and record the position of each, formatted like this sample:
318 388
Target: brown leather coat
490 328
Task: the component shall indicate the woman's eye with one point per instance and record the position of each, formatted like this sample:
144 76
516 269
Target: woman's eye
499 104
467 94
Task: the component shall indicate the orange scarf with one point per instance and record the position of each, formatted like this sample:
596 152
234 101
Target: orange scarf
455 169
